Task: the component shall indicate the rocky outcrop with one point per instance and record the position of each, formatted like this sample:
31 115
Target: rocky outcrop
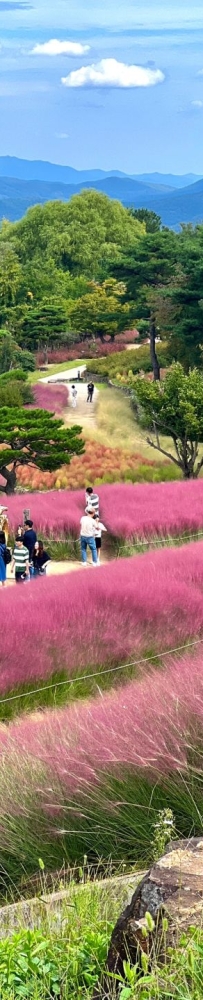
172 888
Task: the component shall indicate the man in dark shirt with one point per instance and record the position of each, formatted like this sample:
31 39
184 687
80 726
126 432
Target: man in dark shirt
29 538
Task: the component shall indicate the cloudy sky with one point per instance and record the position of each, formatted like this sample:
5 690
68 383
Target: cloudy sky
103 83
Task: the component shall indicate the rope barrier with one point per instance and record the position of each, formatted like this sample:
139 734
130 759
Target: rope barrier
101 673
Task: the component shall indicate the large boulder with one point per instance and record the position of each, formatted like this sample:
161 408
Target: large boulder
173 888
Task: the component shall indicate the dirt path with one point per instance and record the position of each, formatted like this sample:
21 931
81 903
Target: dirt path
59 568
84 413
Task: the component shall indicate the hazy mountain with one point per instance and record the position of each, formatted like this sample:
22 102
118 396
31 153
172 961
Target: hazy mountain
28 170
171 180
172 204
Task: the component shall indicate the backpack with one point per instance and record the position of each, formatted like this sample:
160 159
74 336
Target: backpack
7 556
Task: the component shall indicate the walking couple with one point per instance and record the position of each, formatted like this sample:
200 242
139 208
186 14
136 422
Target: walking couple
91 528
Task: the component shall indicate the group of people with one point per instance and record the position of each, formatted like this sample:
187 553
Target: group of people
28 558
74 393
91 528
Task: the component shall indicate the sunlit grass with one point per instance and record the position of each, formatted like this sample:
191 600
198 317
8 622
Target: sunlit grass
54 369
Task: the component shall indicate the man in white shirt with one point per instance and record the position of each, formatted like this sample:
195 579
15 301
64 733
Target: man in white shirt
87 537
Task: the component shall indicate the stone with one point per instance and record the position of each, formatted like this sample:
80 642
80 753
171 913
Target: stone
173 888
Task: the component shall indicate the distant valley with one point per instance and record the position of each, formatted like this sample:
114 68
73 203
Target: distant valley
24 183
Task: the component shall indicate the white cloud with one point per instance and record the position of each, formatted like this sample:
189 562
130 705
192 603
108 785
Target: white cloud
56 48
111 73
197 104
62 135
200 72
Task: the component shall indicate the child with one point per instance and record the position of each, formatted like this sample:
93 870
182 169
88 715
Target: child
99 527
74 396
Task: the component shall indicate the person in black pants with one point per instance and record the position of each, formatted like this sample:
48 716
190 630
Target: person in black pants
90 392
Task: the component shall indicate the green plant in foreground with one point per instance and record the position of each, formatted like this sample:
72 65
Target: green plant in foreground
164 831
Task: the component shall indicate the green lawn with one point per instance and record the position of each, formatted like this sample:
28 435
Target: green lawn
54 369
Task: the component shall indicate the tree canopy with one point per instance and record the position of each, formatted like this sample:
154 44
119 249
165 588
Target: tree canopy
34 438
175 408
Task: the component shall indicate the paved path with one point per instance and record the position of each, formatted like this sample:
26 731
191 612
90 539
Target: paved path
71 373
83 413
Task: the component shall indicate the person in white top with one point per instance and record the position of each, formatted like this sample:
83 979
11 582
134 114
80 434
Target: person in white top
87 537
98 537
74 396
91 500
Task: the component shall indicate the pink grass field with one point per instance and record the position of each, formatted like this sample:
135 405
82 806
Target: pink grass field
148 725
47 397
128 511
94 618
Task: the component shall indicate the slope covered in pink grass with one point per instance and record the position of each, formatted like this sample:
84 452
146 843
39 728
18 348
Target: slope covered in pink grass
50 397
87 620
149 726
128 511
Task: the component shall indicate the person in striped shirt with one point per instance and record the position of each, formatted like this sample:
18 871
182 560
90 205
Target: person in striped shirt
20 561
92 501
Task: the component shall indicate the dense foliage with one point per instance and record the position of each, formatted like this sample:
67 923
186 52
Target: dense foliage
175 408
90 267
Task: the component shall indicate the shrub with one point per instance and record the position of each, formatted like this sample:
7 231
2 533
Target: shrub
99 463
133 361
88 348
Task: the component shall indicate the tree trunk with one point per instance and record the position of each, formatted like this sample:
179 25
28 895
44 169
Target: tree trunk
10 476
153 354
174 888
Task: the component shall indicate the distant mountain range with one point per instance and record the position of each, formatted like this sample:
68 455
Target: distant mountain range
24 183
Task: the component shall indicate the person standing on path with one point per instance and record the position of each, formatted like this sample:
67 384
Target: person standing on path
91 501
74 393
87 537
99 527
20 561
2 558
90 392
29 540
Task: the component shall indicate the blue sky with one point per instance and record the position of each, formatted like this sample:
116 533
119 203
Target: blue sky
128 94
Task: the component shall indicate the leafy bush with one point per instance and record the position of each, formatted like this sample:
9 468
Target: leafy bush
134 361
14 393
33 964
15 374
26 360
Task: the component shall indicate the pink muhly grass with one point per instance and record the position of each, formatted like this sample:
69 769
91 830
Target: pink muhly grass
92 620
128 511
50 397
148 726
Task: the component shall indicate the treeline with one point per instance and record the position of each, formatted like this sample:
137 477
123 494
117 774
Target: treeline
91 268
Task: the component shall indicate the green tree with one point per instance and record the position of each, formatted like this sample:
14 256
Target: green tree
101 311
81 236
36 438
184 298
145 271
151 219
175 408
43 325
10 274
